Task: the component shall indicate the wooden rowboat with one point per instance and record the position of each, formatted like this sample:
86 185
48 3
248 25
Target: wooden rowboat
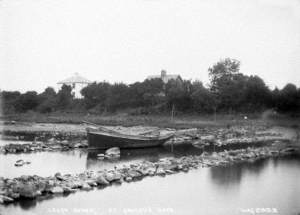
104 139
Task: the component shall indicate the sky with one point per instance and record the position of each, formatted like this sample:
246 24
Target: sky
45 41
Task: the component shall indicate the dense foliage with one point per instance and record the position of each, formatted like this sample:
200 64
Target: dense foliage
229 91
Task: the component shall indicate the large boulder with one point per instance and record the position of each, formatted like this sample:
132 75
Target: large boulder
113 152
133 174
113 176
100 180
76 184
86 187
91 182
57 190
59 176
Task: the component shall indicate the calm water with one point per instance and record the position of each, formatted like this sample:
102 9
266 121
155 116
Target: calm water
271 184
77 161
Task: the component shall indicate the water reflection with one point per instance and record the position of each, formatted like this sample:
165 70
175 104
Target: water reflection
218 190
149 154
233 175
76 161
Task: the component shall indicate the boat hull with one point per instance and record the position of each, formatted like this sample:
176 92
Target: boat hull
98 140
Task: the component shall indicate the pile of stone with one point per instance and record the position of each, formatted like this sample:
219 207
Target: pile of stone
246 135
51 145
31 187
21 163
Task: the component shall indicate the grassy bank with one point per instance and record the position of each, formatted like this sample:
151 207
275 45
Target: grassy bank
181 121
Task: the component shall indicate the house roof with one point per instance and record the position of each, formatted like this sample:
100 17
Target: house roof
76 78
165 78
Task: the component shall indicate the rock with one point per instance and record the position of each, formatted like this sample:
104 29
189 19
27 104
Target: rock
180 166
65 142
86 187
133 173
186 169
198 143
56 147
208 138
5 199
77 145
92 182
52 140
169 166
14 195
128 179
100 180
113 176
19 163
59 176
82 176
28 191
57 190
150 170
76 184
113 152
160 172
169 171
69 190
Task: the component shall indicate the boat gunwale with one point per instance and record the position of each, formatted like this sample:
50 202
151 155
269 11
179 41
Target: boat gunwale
127 136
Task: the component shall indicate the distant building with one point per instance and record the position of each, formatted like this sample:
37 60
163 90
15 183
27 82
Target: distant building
164 77
77 82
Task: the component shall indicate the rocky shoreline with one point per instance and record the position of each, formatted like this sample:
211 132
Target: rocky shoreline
230 145
42 146
54 140
32 187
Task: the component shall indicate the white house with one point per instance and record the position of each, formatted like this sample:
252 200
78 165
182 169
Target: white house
164 76
77 82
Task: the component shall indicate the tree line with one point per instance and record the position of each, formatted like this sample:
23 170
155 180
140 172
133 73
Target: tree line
229 91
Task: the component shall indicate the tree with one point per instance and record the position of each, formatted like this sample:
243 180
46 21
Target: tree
9 101
288 99
257 95
225 80
153 91
223 72
202 99
64 97
178 93
27 101
47 100
96 95
147 94
118 97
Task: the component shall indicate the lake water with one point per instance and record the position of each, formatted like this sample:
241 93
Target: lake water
269 186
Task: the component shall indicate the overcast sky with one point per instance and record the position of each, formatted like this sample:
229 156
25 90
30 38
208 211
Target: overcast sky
45 41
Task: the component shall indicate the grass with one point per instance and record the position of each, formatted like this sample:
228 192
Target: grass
181 121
